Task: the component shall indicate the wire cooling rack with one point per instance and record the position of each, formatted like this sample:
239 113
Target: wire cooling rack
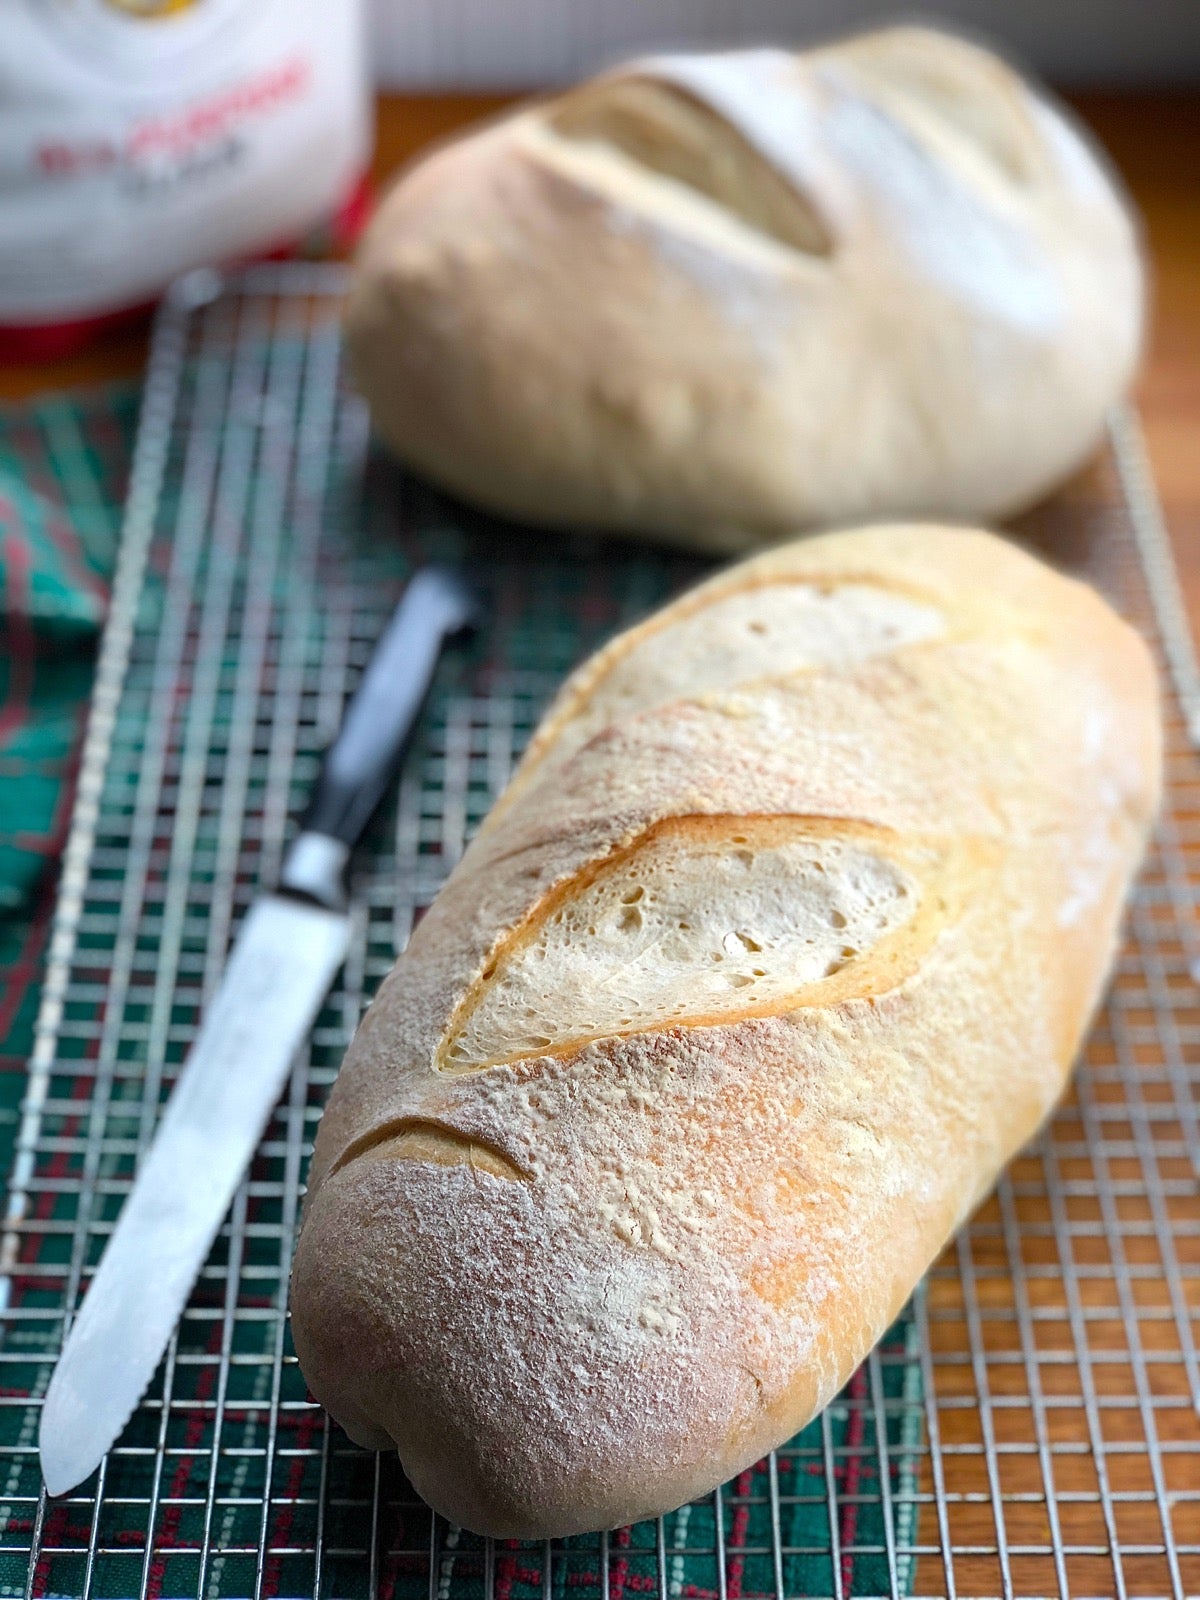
1028 1428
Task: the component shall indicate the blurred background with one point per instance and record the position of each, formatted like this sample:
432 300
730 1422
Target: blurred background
514 43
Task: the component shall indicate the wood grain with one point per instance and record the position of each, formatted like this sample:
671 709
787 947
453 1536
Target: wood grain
1155 143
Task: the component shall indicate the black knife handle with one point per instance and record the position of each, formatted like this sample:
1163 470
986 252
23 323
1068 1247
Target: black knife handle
364 756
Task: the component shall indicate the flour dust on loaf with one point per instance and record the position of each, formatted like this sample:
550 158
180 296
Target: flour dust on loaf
720 297
779 945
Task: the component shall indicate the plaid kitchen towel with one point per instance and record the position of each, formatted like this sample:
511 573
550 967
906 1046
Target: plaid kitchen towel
63 464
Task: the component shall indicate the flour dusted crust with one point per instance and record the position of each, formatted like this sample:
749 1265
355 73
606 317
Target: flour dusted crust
728 1017
721 297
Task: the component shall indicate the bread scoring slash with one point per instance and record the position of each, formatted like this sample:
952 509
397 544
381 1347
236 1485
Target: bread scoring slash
779 944
722 297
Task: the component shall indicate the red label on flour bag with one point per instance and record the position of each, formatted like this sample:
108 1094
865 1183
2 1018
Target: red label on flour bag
139 138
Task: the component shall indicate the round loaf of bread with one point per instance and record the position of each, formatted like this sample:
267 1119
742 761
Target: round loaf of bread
780 943
720 297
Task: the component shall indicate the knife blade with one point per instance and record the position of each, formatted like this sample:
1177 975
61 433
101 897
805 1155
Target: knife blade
283 961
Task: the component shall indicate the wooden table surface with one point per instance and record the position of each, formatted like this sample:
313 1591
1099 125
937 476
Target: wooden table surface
1155 141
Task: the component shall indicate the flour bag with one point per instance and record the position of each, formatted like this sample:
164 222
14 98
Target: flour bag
142 137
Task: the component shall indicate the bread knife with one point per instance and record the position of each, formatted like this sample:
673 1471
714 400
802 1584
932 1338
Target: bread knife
283 961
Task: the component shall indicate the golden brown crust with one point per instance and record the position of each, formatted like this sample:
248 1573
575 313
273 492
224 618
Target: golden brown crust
579 1286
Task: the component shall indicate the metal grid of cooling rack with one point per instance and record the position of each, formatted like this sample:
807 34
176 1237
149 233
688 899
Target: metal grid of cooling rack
1029 1428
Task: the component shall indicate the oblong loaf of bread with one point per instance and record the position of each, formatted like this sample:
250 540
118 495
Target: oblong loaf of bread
722 297
778 946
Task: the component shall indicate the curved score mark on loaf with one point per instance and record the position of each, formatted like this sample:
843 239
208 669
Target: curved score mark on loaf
970 106
667 132
420 1139
704 921
770 627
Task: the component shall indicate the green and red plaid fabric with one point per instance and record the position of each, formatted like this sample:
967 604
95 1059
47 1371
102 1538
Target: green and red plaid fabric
846 1440
63 464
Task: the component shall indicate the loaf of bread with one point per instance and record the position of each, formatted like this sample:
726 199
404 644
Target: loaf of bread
718 298
779 945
